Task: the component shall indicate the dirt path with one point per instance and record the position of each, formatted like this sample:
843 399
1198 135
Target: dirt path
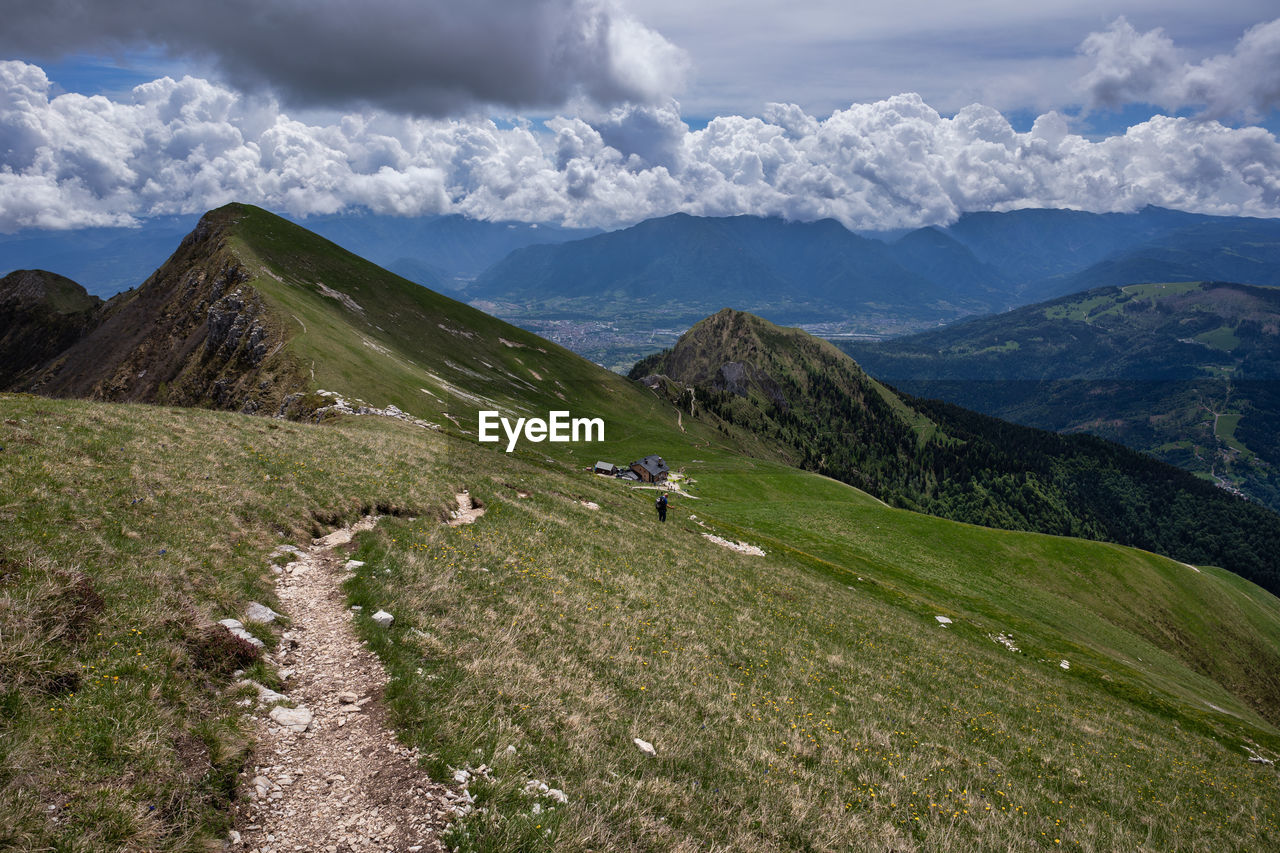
339 781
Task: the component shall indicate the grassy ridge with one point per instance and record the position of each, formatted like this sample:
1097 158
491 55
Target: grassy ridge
793 706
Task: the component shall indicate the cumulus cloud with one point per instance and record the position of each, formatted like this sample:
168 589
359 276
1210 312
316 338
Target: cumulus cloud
1133 67
184 146
423 57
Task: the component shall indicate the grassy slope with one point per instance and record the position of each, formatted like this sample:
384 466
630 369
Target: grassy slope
792 705
403 338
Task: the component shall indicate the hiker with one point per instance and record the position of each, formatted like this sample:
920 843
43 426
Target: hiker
661 504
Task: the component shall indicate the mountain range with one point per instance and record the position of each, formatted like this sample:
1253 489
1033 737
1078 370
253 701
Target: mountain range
790 272
819 272
1188 372
875 679
440 252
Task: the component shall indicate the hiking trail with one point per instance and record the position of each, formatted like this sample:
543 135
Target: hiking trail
329 775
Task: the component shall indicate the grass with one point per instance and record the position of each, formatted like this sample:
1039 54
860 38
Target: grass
1225 430
1222 338
804 700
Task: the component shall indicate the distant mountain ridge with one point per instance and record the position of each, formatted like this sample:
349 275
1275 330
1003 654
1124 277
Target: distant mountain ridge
680 267
1188 371
439 252
676 269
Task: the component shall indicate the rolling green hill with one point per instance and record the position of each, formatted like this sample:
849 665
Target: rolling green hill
1084 695
804 395
1188 372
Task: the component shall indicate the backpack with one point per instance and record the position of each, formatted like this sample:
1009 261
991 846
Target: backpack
660 501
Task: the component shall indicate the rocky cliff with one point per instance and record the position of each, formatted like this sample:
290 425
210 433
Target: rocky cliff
196 333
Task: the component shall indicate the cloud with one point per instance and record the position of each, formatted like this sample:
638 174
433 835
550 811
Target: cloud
184 146
1133 67
421 57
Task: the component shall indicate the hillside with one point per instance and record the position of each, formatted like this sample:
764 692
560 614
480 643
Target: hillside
1081 695
805 698
1187 372
804 395
256 314
41 315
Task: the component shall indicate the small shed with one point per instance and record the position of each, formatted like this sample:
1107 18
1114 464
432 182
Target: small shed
651 469
607 469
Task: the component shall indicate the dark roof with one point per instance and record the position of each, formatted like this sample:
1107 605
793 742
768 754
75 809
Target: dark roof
653 464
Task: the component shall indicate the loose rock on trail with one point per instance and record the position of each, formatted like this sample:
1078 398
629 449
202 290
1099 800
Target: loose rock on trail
329 775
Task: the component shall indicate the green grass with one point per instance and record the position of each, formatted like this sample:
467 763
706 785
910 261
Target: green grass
1225 430
1222 338
793 705
1078 311
1157 290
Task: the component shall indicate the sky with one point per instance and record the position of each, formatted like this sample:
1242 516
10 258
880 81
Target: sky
606 112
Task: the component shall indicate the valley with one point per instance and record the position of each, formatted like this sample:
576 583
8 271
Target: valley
1188 372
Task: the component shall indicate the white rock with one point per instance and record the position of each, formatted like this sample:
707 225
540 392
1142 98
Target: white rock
295 719
234 626
352 565
942 620
234 837
265 694
557 795
645 746
348 698
383 618
256 612
1065 665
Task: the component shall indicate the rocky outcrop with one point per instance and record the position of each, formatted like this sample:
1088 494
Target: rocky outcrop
197 333
740 378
